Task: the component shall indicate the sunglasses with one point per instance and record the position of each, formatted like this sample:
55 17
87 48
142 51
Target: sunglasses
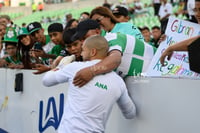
99 19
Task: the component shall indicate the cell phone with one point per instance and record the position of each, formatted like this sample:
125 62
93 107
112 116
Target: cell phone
38 46
19 82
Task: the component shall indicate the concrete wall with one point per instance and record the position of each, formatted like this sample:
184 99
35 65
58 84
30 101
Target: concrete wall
164 105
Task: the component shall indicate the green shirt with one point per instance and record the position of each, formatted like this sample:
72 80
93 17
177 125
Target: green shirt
56 50
136 54
151 42
10 59
48 39
127 28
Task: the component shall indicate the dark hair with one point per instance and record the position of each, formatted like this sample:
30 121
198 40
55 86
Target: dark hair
155 27
104 12
68 15
107 5
23 24
24 52
70 23
10 43
140 28
120 11
145 28
55 27
5 16
87 13
67 35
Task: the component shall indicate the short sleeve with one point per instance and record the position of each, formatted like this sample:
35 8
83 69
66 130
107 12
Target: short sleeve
194 55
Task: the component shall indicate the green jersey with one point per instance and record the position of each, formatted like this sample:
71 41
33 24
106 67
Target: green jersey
56 50
10 59
136 54
127 28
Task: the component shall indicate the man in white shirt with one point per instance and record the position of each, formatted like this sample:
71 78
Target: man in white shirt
164 12
156 6
88 108
190 12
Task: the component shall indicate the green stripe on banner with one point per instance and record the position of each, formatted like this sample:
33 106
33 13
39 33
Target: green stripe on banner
139 47
136 67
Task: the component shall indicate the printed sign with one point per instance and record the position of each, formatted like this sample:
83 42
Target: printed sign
178 66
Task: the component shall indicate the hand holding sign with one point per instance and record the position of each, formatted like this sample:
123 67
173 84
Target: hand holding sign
177 31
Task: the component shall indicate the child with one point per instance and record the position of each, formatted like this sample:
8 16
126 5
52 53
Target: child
13 59
55 31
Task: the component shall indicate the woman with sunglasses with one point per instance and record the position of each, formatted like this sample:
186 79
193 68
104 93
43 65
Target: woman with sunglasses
109 23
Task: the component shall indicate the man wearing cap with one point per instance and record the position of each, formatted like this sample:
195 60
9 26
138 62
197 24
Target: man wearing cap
43 45
121 13
55 31
37 32
136 54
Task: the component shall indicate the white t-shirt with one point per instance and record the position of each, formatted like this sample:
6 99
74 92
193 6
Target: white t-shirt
156 1
2 52
165 9
48 47
87 108
190 7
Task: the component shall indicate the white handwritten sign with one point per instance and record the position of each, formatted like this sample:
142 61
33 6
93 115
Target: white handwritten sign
177 30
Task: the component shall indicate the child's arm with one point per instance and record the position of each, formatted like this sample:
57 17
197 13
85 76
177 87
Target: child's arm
3 62
15 66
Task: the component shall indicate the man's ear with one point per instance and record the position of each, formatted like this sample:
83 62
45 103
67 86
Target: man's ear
98 31
128 18
93 52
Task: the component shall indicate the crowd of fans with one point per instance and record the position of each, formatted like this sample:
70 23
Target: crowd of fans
125 48
25 47
37 7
